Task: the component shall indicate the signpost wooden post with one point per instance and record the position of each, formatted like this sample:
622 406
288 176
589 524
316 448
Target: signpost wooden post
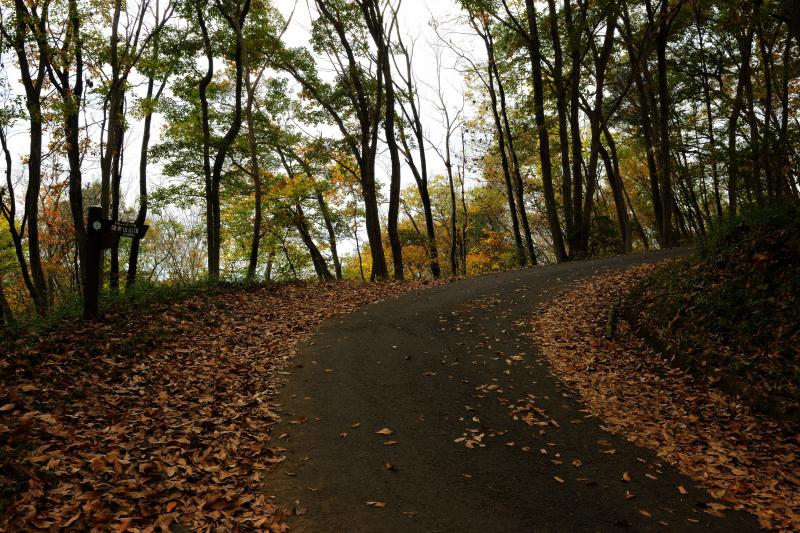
102 233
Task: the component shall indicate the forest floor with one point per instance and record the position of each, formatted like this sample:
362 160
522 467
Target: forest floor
743 458
158 416
459 407
729 311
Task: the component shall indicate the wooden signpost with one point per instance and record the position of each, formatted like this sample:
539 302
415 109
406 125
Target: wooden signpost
102 234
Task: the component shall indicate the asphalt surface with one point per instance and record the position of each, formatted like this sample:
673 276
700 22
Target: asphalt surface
431 366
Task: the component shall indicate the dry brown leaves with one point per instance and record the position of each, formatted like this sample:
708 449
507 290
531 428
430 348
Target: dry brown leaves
146 422
748 461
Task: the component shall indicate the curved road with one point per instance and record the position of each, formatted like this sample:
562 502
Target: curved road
431 366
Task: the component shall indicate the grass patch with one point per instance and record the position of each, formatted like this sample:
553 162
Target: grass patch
733 306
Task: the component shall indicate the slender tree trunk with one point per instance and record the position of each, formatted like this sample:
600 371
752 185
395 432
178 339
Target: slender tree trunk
516 177
639 226
786 179
372 223
611 162
33 88
32 209
255 242
116 179
235 22
213 264
72 134
326 216
288 258
574 125
765 147
420 173
597 123
301 223
464 216
506 171
394 154
9 213
544 138
141 216
755 184
664 111
646 124
360 259
709 115
5 309
451 187
268 268
563 130
744 42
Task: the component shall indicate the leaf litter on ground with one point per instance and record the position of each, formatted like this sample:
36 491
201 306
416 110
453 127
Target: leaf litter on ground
159 417
746 460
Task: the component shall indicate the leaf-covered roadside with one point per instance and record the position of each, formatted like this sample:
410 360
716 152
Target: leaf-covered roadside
749 461
732 307
159 417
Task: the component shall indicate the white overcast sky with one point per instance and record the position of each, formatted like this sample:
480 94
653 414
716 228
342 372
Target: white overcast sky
415 21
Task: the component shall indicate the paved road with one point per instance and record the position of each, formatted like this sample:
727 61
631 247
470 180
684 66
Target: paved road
430 366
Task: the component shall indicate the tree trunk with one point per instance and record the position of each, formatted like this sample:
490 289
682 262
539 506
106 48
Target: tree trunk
544 138
255 169
9 213
664 111
453 237
573 238
420 173
394 184
709 116
141 216
611 162
597 120
213 263
649 145
33 89
116 179
516 177
5 309
506 172
326 216
300 222
563 130
235 22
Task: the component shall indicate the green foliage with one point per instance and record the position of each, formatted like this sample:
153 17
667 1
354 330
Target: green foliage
734 303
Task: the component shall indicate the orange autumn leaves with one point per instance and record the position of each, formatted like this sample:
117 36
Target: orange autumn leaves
746 461
158 418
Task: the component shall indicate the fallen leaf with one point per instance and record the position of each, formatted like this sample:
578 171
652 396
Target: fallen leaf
380 505
384 432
